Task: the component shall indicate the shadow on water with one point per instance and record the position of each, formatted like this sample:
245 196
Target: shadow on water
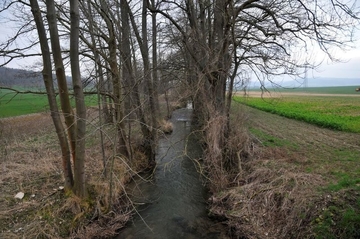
173 204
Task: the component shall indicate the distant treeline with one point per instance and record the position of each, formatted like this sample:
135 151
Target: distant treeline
10 77
16 77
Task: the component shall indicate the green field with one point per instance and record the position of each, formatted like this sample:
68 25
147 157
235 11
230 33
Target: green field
317 90
22 104
339 113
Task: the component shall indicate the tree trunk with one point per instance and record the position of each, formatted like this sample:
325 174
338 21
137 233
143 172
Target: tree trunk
79 169
149 82
149 132
147 127
60 75
155 58
116 81
48 80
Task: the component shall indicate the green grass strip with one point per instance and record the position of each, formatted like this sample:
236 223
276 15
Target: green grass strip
23 104
339 113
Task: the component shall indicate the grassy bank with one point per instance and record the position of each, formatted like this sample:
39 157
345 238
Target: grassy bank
295 180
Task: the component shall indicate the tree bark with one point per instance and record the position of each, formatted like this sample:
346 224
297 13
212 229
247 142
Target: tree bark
60 75
48 81
155 59
150 129
79 168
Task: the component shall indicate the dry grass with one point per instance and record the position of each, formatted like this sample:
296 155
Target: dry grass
31 163
223 160
282 190
268 198
166 126
270 202
213 154
265 196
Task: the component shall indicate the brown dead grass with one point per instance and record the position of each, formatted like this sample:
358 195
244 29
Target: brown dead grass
30 162
280 191
268 196
273 199
166 126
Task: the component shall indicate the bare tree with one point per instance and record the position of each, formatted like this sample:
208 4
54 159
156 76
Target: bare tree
149 128
48 80
79 160
112 25
75 126
222 38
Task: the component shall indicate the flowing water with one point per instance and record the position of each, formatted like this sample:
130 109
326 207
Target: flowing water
173 203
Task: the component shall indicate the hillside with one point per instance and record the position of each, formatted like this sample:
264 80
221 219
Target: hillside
17 77
10 77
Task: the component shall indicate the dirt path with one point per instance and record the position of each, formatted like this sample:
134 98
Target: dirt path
325 148
301 132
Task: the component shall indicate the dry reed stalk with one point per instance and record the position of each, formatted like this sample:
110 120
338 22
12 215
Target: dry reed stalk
272 202
267 196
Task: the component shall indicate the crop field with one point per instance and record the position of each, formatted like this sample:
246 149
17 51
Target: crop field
315 90
334 112
12 104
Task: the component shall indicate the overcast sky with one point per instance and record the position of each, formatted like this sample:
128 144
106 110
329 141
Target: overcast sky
348 68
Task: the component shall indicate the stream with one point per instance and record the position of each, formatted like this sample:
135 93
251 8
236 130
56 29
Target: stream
173 204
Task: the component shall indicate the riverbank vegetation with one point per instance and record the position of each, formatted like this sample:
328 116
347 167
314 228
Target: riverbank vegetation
30 164
134 51
293 180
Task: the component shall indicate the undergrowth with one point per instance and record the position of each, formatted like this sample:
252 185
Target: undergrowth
280 189
31 163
